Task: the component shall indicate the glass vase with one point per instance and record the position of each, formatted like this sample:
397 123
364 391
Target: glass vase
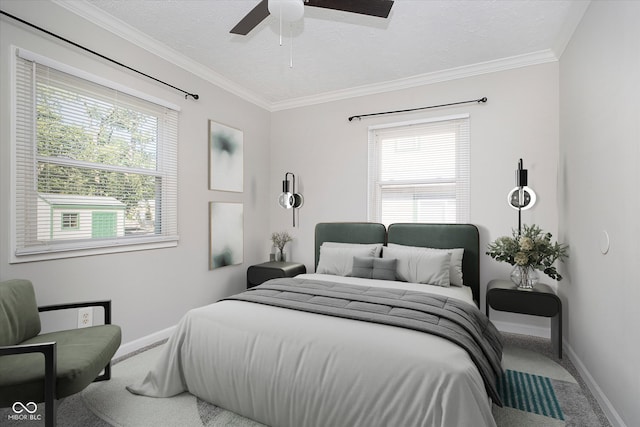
524 276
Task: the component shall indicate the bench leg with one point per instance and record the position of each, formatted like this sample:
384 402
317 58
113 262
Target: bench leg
50 386
106 374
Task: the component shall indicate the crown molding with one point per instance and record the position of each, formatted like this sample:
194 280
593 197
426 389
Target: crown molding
95 15
535 58
576 13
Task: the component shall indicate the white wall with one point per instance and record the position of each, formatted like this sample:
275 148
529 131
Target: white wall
599 191
595 122
328 154
151 290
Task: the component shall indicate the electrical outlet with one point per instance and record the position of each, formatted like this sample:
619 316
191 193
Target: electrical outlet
85 317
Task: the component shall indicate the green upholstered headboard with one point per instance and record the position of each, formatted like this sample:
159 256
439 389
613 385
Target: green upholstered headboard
348 232
445 236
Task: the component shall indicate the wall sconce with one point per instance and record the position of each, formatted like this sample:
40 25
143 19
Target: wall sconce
290 199
521 197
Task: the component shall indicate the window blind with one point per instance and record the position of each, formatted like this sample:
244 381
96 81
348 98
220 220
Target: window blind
419 172
93 153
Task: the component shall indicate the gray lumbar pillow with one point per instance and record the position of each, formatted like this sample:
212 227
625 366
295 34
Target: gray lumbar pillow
362 267
384 268
374 268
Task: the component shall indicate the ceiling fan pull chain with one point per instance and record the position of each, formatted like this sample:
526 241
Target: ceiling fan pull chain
280 25
290 45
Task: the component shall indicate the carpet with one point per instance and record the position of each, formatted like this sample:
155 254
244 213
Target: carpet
537 391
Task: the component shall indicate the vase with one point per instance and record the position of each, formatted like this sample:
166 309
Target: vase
524 276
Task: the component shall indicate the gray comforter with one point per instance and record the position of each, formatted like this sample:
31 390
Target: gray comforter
445 317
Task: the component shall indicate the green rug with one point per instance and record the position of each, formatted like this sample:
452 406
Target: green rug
529 393
536 390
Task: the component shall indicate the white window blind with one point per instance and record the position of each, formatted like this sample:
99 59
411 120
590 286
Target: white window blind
94 167
419 172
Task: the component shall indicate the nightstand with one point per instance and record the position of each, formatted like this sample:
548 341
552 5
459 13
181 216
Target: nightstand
503 295
260 273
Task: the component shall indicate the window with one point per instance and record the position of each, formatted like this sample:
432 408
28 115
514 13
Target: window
91 158
419 172
70 221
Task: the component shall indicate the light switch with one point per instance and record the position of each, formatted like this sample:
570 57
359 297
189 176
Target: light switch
605 243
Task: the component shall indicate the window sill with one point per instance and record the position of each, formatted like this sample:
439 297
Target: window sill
52 252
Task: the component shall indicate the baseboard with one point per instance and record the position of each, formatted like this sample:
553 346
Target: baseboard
608 409
605 404
519 328
135 345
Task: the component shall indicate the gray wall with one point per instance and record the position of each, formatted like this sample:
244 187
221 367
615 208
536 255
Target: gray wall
599 191
575 124
328 154
151 290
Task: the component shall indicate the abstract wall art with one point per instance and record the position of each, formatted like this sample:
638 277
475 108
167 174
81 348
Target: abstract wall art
225 158
225 234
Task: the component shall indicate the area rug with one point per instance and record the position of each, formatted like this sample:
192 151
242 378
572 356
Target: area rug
536 391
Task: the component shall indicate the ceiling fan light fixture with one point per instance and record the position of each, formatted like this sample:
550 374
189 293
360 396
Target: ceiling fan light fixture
287 10
293 10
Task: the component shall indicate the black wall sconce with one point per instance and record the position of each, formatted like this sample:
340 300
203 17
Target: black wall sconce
289 199
521 197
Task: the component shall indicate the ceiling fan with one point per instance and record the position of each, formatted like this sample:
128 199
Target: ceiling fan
379 8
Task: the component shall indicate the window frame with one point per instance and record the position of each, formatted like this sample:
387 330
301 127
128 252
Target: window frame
167 167
75 221
463 169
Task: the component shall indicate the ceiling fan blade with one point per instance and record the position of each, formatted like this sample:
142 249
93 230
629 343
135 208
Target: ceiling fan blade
252 19
379 8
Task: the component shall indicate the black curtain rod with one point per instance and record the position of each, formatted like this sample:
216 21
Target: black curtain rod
416 109
186 94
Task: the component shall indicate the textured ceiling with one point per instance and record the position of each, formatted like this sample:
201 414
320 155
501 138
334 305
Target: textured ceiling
334 51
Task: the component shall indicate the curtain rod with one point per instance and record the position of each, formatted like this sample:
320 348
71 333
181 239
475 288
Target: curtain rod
186 94
416 109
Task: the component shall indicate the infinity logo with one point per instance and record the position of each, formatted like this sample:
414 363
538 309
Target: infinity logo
19 407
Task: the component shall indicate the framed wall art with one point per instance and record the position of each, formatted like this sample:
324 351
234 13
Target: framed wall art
226 158
226 234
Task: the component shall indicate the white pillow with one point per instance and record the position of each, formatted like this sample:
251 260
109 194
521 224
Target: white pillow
455 269
339 260
416 266
377 246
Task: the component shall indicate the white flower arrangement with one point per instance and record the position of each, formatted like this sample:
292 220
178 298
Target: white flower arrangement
280 239
531 248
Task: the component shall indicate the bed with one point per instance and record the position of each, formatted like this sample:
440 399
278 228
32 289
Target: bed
295 367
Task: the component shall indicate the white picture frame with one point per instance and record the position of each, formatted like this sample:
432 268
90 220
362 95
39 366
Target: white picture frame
226 234
226 158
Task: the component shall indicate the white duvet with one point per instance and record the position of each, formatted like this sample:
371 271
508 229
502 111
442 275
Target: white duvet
285 368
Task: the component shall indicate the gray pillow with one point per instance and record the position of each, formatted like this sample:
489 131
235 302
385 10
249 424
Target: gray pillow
362 267
374 268
384 269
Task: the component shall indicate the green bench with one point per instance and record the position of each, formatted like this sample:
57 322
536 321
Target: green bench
72 360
